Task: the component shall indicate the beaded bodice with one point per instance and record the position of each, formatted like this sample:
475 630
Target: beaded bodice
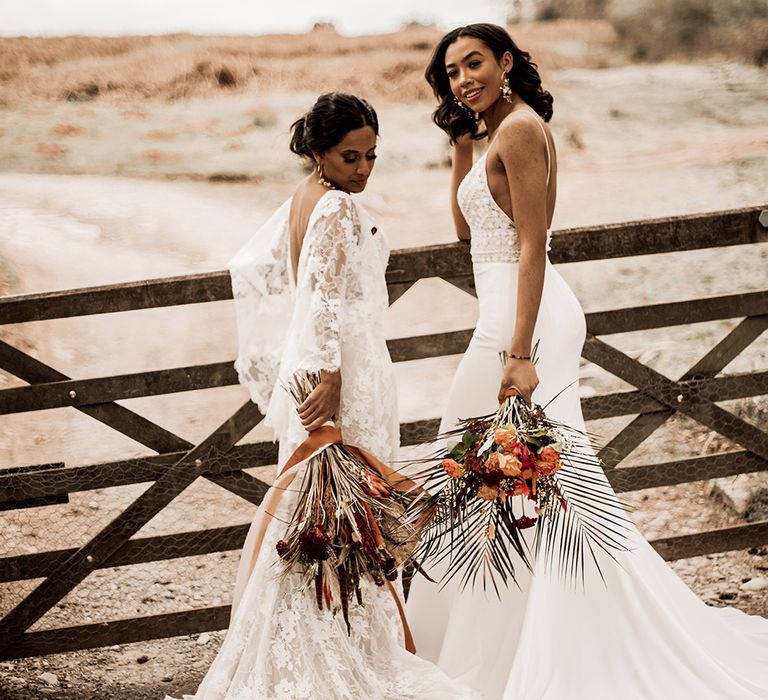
493 234
494 238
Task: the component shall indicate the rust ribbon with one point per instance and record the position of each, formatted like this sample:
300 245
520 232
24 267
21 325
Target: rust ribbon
316 441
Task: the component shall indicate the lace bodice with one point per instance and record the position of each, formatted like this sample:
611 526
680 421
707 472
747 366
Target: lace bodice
494 238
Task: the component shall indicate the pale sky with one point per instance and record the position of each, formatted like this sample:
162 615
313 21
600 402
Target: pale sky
110 17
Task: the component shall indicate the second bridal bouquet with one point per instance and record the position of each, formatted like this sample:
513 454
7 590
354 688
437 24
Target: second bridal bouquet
506 473
350 521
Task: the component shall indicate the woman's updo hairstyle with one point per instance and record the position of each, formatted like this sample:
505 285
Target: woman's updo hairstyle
523 78
333 115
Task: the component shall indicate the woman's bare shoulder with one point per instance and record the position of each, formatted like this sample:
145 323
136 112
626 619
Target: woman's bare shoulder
519 135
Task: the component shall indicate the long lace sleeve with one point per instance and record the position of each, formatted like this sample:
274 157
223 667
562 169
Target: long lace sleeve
335 236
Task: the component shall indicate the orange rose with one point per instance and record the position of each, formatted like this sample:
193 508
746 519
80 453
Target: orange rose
505 438
510 465
487 493
493 463
548 461
452 468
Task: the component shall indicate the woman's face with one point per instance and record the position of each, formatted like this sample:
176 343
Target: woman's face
474 73
349 163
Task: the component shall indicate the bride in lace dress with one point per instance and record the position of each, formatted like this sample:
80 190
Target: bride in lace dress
310 294
641 634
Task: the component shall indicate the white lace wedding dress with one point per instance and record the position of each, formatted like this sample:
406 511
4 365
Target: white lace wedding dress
643 635
279 644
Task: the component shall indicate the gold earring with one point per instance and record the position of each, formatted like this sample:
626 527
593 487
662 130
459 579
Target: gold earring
506 90
322 179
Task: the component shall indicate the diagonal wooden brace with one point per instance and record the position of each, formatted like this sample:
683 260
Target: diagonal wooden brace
125 421
682 398
76 568
641 427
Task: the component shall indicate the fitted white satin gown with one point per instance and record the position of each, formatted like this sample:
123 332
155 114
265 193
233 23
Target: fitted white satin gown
641 635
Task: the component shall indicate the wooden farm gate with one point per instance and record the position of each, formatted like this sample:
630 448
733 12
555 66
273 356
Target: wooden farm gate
178 463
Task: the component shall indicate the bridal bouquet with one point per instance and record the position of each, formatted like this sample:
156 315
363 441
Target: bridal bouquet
506 474
350 520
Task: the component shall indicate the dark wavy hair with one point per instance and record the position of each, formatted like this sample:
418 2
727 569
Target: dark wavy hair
333 115
523 78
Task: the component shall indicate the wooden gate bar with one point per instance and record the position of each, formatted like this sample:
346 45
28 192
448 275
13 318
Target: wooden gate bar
33 484
75 569
59 394
135 551
713 362
677 313
683 471
677 396
110 298
664 235
712 542
99 634
420 347
673 234
42 499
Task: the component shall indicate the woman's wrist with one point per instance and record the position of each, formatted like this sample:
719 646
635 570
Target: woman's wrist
520 350
512 357
331 377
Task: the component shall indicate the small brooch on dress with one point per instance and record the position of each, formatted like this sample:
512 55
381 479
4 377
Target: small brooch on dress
373 230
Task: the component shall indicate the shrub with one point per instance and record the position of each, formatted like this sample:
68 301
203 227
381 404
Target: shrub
658 29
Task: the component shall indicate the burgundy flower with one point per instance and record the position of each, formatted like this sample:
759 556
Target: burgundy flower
389 567
283 548
524 522
473 463
315 544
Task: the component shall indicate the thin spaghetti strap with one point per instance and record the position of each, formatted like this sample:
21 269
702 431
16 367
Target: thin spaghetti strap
546 143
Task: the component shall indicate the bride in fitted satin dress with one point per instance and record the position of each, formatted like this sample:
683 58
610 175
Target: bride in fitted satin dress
641 634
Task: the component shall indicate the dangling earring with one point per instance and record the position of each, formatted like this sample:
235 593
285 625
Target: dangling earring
506 90
322 179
